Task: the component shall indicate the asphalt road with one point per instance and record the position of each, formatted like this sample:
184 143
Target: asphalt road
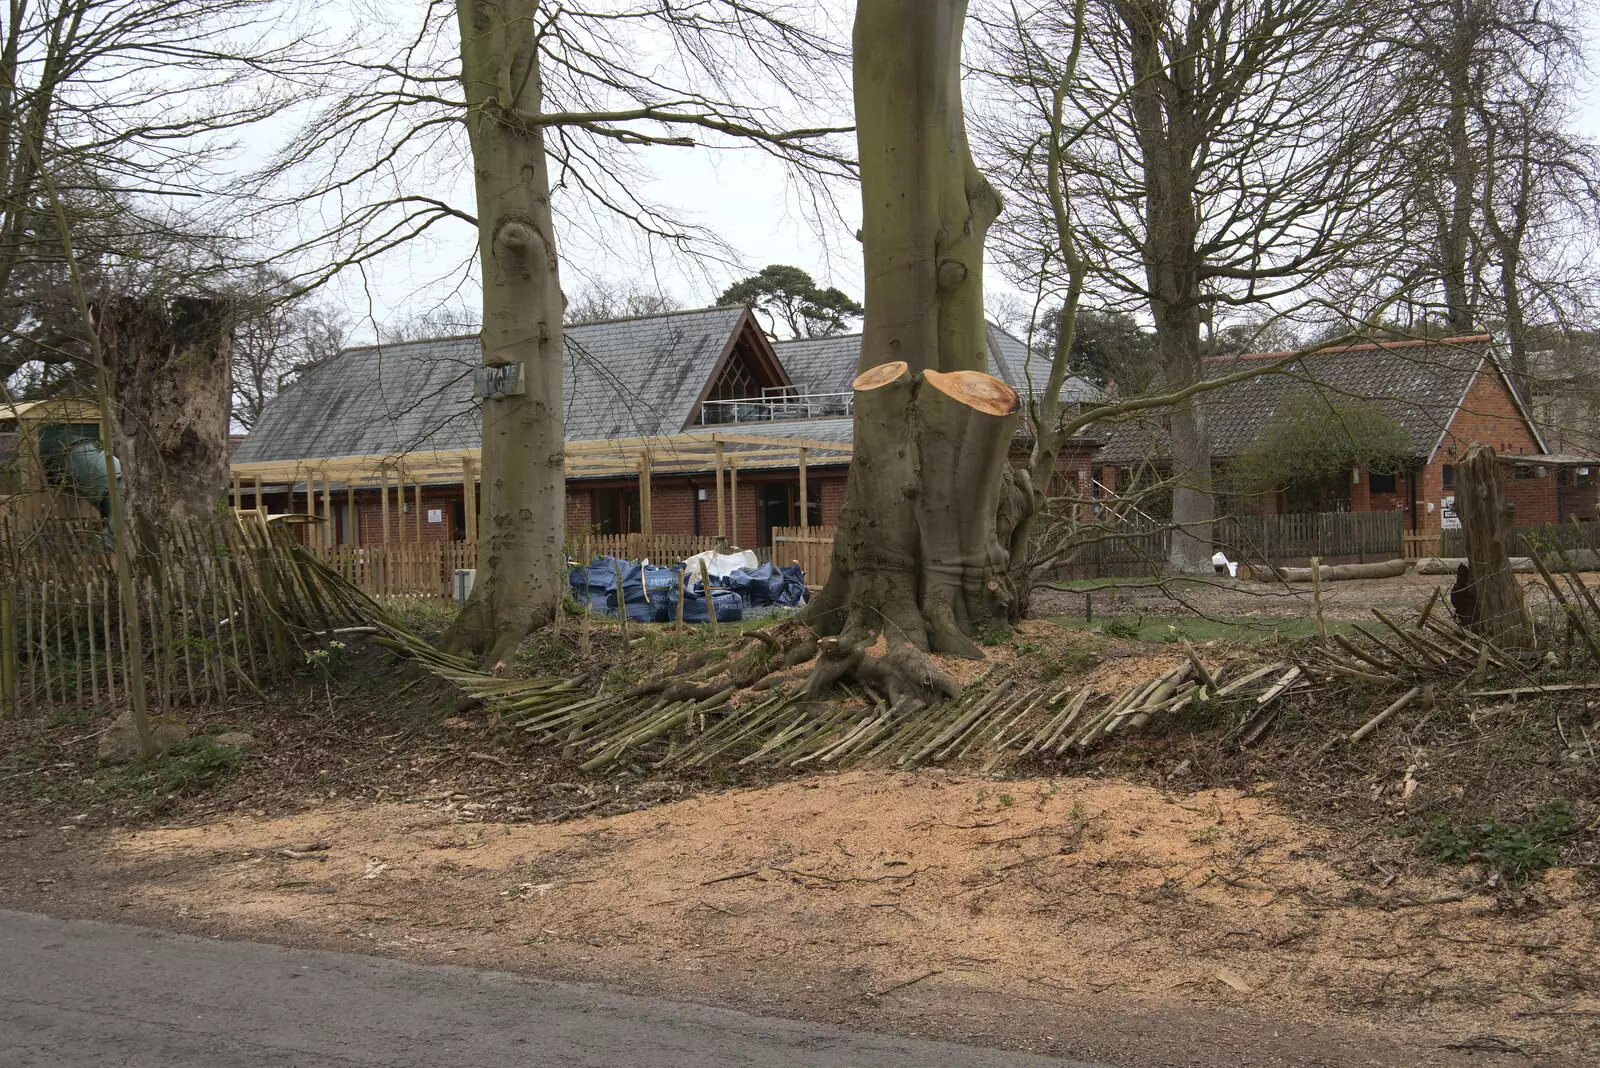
78 993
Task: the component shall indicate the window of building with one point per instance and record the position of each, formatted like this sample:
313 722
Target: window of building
1448 473
1521 471
616 511
1382 483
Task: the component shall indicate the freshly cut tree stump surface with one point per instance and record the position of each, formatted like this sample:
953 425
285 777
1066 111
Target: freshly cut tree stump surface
879 376
975 389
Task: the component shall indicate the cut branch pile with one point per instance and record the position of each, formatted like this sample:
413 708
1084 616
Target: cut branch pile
696 715
741 712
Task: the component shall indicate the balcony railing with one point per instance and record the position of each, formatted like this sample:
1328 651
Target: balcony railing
775 405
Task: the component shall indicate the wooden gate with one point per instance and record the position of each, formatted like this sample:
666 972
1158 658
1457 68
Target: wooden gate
810 547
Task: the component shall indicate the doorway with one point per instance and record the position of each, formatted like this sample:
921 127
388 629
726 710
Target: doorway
778 505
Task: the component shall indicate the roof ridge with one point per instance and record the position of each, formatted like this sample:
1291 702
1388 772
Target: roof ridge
656 315
1366 346
565 326
826 337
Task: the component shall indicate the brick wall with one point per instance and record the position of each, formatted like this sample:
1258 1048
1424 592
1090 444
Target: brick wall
673 502
1488 415
369 514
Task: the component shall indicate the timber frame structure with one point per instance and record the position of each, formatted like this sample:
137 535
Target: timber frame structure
725 454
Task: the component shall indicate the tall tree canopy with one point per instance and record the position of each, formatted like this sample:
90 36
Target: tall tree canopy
790 296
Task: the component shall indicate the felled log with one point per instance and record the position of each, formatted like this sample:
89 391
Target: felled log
1581 560
1339 572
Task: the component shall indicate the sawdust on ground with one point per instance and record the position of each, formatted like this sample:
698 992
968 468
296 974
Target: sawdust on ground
890 885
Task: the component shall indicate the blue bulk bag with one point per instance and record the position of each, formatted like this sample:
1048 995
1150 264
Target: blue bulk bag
646 591
792 591
730 608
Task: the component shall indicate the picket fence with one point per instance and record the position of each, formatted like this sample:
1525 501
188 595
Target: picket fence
223 607
1531 540
1140 548
425 569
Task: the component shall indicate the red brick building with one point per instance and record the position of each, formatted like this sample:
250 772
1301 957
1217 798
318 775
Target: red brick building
1445 394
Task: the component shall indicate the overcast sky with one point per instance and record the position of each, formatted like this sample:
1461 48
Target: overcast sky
743 194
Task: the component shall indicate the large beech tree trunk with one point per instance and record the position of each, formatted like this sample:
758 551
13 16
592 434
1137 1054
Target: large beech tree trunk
169 366
519 582
921 555
1500 616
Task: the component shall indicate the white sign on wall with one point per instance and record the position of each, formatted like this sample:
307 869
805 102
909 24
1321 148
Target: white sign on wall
436 515
1448 520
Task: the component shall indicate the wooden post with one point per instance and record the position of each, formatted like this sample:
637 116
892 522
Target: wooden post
805 501
331 536
722 528
622 603
260 507
350 509
680 599
733 502
469 499
238 493
383 503
419 513
711 602
644 493
8 647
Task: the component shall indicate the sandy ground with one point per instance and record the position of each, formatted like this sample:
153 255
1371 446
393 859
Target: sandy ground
1015 913
1236 598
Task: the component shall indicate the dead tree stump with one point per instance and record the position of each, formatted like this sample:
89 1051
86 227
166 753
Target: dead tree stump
1501 615
170 365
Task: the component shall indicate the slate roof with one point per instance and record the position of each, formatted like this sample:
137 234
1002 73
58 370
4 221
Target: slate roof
1420 384
827 364
624 378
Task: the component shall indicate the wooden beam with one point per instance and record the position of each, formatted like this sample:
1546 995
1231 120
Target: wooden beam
446 463
781 457
260 505
805 502
774 439
644 493
350 512
469 500
419 514
330 536
238 493
722 529
733 501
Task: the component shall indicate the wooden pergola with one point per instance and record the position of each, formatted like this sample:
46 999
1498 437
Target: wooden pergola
641 458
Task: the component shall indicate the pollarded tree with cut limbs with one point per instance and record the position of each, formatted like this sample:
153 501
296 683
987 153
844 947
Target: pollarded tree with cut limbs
920 555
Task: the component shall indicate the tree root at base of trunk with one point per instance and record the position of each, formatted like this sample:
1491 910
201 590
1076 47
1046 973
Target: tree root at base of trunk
903 673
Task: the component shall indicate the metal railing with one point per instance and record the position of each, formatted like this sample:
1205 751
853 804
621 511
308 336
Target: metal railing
774 407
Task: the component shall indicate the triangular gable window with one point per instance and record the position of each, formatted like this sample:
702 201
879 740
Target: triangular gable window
738 381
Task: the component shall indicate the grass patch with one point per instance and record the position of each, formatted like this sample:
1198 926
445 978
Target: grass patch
1514 850
427 617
